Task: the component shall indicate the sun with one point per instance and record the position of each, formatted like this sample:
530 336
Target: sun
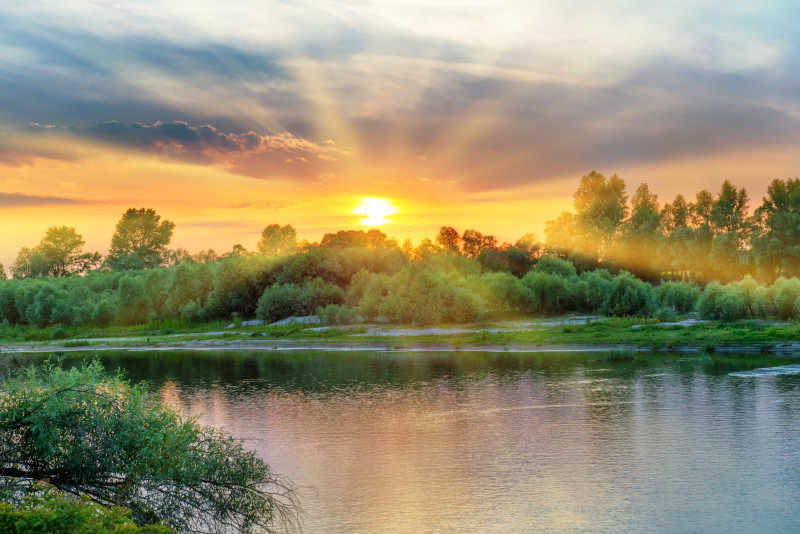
375 211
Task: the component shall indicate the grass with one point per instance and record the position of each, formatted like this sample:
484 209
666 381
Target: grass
628 332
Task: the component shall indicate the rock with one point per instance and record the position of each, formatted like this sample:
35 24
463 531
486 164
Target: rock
306 319
252 322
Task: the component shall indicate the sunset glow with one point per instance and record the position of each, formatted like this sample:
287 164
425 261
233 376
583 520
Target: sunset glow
224 127
375 211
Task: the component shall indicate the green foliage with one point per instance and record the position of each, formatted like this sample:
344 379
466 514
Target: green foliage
419 294
58 254
99 436
505 292
285 300
548 293
679 296
786 298
140 240
629 296
53 512
554 265
336 314
665 314
277 240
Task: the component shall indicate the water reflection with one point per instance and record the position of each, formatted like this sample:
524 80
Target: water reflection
506 443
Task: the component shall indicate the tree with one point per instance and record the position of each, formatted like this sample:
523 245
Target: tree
474 242
140 240
600 206
641 233
776 236
448 238
277 240
730 223
355 238
59 253
92 435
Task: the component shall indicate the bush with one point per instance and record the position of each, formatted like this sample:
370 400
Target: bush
285 300
100 436
785 292
59 333
679 296
52 512
548 293
665 314
505 292
589 293
629 296
336 314
554 265
725 303
420 294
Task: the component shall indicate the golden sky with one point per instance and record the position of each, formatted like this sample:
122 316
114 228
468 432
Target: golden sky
226 117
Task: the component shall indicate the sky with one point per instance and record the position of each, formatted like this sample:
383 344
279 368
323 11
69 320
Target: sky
228 116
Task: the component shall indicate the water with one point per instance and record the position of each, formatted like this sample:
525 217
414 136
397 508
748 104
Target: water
507 443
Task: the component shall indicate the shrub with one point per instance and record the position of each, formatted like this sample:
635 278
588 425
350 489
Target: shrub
554 265
59 333
589 293
548 293
52 512
679 296
785 292
665 314
336 314
505 292
629 296
285 300
420 294
99 436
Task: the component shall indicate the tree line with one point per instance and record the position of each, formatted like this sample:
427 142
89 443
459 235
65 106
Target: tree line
608 256
713 237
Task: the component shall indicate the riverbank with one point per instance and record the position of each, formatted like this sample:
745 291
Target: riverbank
573 333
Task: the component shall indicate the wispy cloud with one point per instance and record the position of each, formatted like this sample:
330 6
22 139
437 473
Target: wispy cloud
16 200
487 95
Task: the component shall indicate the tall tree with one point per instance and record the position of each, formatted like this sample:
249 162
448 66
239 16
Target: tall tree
676 248
601 204
140 240
641 233
59 253
730 222
776 235
473 242
277 240
448 238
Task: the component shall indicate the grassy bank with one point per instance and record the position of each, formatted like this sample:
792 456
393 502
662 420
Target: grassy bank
629 332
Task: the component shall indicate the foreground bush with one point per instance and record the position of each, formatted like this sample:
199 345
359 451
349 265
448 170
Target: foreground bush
52 512
99 436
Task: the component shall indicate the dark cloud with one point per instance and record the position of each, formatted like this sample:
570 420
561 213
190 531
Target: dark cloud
15 200
486 131
490 133
247 153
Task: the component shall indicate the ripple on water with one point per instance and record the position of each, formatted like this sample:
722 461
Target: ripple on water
770 371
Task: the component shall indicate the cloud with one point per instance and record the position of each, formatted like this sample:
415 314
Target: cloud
280 155
490 97
16 200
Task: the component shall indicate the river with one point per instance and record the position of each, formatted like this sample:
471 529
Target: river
418 443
